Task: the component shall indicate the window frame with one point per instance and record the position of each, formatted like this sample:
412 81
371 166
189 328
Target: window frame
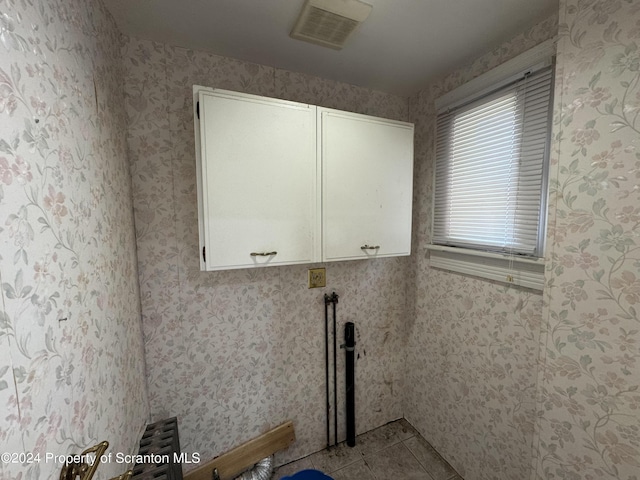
523 270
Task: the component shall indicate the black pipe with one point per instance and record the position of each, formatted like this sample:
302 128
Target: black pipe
327 300
334 299
350 346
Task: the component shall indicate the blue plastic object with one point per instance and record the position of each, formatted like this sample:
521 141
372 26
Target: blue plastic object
308 475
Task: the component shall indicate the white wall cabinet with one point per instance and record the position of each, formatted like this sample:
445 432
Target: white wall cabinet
257 181
367 178
284 183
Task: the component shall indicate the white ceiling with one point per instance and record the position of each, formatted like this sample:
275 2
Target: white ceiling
398 49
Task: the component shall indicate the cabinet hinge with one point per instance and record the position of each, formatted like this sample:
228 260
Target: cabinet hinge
198 109
204 254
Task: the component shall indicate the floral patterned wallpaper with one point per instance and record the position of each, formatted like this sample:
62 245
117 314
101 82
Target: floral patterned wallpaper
506 383
472 344
481 398
71 350
235 353
588 424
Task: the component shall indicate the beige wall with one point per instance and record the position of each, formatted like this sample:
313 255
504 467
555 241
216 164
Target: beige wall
71 351
478 393
235 353
472 343
589 397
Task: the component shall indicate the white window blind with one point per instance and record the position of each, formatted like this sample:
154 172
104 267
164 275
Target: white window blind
490 179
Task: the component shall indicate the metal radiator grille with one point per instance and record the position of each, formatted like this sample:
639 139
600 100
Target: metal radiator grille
160 445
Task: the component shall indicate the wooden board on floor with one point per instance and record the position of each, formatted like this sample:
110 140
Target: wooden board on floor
236 461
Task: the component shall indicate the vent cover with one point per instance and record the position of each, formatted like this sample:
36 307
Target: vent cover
329 22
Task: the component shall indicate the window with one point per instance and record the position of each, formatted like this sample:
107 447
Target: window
492 150
490 169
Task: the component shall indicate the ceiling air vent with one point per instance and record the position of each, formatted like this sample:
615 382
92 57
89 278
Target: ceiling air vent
329 22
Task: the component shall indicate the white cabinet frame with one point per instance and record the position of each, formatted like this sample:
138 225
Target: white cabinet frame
347 179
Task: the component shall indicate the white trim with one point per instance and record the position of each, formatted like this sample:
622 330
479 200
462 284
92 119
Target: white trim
480 253
529 61
512 270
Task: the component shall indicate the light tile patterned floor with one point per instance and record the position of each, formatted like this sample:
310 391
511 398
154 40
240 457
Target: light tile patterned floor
393 451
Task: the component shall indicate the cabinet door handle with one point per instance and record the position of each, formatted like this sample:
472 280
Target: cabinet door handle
263 254
370 247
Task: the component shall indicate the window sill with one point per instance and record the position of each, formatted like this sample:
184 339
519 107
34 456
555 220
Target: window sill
512 270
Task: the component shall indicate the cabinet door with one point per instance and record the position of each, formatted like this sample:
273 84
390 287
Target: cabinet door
258 181
367 185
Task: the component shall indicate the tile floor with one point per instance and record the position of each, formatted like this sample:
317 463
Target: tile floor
393 451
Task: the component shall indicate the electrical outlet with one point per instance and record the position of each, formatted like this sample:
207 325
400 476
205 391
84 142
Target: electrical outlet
317 277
